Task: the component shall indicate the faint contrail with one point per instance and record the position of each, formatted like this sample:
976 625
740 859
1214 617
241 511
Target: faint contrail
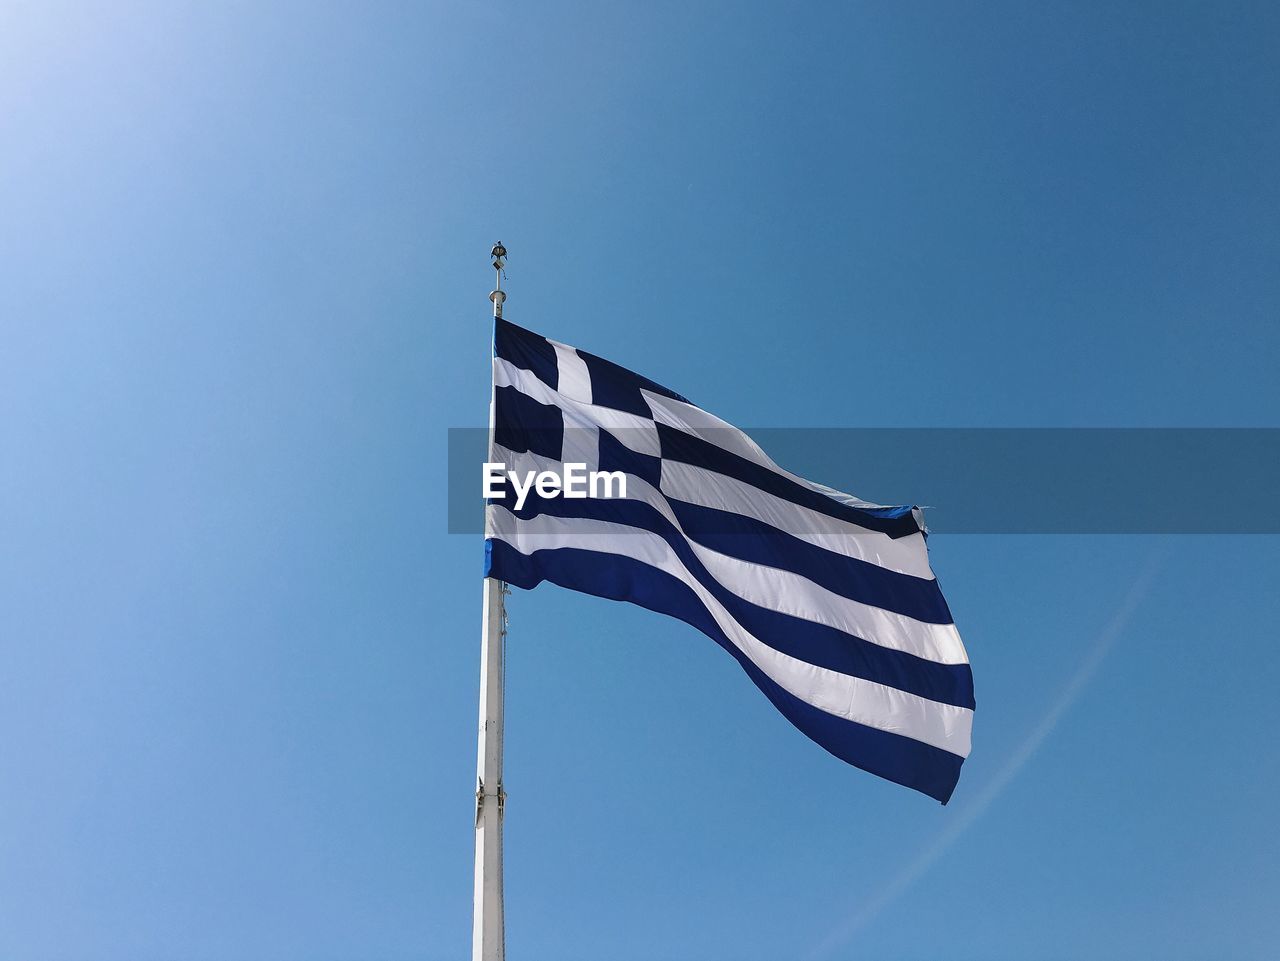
921 863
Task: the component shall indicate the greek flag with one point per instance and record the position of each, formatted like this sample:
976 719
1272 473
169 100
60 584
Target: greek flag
826 601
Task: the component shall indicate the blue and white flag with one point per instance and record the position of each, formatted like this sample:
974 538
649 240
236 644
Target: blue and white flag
826 601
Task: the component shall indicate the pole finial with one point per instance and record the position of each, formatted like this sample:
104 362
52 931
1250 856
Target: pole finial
499 255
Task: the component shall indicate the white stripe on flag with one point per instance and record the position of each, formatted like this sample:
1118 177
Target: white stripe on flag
574 380
781 590
864 702
709 427
706 488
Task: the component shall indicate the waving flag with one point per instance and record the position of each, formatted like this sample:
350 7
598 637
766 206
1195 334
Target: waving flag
826 601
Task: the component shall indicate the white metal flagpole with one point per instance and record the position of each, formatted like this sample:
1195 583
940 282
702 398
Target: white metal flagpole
487 930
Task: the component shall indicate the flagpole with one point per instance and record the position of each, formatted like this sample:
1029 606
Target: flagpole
487 929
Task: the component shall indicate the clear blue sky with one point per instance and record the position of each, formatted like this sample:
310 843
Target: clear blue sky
243 279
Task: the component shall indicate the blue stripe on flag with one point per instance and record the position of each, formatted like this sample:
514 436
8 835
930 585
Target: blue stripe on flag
808 641
748 539
618 388
614 455
751 540
680 446
894 757
522 424
527 350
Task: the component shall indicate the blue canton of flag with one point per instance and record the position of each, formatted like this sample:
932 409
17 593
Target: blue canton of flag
826 601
